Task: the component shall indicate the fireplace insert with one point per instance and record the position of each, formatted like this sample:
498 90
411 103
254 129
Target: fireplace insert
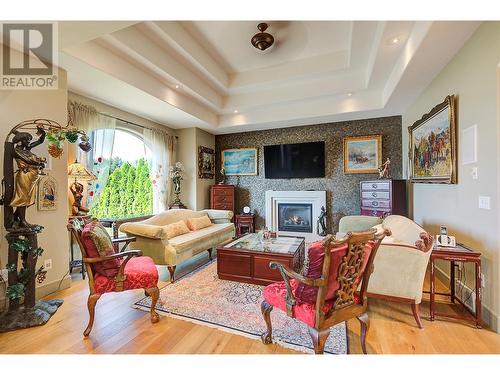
295 217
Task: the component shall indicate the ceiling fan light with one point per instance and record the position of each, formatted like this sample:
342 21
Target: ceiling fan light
262 40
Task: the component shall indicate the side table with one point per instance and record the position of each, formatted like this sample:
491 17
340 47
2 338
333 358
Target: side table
245 223
460 253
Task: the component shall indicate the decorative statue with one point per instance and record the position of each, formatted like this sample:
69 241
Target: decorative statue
384 171
77 207
19 193
223 176
322 222
176 176
29 169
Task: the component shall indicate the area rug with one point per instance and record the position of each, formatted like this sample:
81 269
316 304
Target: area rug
201 297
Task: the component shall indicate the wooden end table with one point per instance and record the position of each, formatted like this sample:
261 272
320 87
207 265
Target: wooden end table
246 258
460 253
245 223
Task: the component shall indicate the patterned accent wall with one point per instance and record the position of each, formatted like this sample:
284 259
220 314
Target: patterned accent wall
342 190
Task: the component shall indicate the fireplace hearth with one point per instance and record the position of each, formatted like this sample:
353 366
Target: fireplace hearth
295 217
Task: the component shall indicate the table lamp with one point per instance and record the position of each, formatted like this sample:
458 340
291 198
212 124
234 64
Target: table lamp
79 173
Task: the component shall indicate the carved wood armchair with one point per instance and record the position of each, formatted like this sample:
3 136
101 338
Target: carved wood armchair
112 273
336 292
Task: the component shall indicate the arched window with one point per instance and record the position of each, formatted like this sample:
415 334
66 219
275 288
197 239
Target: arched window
121 161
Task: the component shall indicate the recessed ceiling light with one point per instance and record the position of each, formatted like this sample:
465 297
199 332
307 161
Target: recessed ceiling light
349 94
235 111
177 86
394 40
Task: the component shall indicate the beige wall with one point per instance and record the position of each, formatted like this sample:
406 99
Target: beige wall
472 77
21 105
194 190
203 185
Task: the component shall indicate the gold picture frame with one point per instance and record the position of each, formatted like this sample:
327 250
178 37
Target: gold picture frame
206 162
362 154
240 161
433 145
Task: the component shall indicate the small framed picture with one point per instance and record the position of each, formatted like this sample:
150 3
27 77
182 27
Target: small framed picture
47 193
362 154
240 162
206 162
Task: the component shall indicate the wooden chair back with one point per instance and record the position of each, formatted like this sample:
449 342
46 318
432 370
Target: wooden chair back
75 227
346 305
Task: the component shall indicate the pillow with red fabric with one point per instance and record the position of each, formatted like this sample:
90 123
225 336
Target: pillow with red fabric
314 266
98 243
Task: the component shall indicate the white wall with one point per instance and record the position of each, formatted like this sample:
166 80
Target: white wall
473 77
17 106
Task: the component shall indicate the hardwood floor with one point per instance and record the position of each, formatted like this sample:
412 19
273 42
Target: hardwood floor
122 329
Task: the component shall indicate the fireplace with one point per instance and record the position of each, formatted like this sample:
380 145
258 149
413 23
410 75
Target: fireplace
295 217
295 213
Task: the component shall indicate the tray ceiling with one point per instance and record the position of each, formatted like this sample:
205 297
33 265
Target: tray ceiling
207 74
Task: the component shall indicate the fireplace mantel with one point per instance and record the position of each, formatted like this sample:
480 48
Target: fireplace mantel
316 198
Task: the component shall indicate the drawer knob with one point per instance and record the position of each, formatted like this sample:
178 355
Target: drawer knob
374 186
374 213
374 195
374 203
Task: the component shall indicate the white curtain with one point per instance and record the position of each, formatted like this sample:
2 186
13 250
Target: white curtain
162 147
101 131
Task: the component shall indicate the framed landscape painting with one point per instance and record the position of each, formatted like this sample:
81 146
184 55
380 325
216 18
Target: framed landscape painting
240 162
433 145
362 154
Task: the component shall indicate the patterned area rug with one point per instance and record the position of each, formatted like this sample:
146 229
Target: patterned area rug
202 298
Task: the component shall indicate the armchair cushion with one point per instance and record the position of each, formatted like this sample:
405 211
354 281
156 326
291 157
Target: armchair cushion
176 229
314 266
97 244
275 294
196 223
140 273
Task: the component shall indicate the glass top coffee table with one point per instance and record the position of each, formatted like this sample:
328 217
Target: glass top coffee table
247 258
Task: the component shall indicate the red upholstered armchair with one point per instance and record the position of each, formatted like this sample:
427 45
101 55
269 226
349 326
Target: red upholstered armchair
331 289
108 271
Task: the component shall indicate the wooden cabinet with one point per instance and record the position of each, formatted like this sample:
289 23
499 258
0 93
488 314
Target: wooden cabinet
383 197
222 197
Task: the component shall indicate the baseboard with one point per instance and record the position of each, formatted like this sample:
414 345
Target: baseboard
43 290
463 291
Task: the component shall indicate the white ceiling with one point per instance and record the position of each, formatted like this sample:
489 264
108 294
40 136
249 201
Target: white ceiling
318 71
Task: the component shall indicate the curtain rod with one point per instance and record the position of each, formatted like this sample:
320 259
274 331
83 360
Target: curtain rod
133 123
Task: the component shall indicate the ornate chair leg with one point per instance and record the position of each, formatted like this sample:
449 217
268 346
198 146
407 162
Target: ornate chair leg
210 253
416 314
319 339
365 325
154 293
92 300
171 269
266 309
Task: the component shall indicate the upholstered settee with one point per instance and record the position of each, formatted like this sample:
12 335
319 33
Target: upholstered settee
154 237
401 260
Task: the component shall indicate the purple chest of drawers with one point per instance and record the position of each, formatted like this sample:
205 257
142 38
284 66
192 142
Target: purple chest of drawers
383 197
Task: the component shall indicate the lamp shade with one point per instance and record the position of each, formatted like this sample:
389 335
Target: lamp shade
79 172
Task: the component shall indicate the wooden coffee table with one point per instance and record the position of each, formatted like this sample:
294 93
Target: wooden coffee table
246 258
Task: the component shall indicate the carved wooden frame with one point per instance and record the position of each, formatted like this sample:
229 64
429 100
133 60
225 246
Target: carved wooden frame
449 102
202 173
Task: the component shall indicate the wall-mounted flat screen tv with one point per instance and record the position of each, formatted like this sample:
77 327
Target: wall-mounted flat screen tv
297 160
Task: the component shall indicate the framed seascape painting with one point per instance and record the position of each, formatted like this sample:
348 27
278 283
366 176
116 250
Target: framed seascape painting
362 154
240 162
433 145
206 162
